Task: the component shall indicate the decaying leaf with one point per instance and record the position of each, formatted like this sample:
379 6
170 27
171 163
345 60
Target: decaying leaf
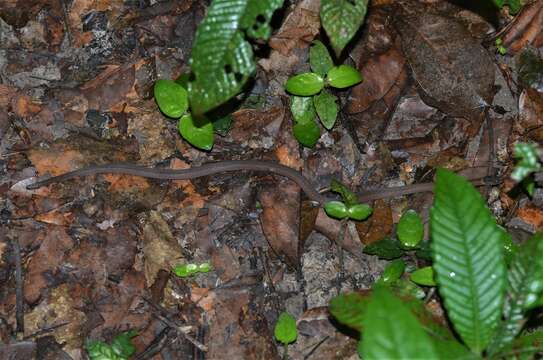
453 71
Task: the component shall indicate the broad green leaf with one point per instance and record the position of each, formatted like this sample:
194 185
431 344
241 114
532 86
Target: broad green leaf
423 276
198 133
172 98
525 284
387 249
528 161
343 76
468 259
336 209
222 60
325 104
359 211
393 271
319 58
452 350
341 19
305 84
391 331
349 309
349 197
307 134
410 229
302 109
285 329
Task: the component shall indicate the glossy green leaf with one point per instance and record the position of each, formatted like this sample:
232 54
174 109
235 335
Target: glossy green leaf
305 84
349 197
336 209
528 161
391 331
349 309
320 59
285 329
387 249
468 259
423 276
452 350
172 98
341 19
307 134
393 271
302 109
99 350
198 133
343 76
525 285
325 104
222 60
410 229
359 211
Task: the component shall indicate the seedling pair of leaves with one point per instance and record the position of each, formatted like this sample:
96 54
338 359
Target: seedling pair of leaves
187 270
121 347
310 97
349 208
172 99
487 305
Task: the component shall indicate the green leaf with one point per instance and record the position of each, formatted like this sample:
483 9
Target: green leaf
387 249
172 98
305 84
302 109
468 259
99 350
349 309
393 271
405 288
528 155
325 104
526 346
359 211
307 134
391 331
222 60
410 229
336 209
525 284
319 58
198 132
349 197
423 276
343 76
122 344
453 350
285 329
341 20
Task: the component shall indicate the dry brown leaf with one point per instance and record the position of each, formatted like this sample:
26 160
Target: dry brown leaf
378 226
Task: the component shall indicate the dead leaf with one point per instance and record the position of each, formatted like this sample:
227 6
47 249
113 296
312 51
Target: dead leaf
378 226
453 71
160 248
525 29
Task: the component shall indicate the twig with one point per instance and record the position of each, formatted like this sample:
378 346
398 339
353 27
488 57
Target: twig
339 243
180 329
19 299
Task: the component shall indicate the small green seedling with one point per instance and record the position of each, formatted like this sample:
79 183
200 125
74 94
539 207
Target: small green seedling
285 331
172 99
187 270
310 97
350 208
121 347
410 229
499 46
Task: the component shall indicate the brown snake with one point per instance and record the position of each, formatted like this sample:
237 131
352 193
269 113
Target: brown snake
236 165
